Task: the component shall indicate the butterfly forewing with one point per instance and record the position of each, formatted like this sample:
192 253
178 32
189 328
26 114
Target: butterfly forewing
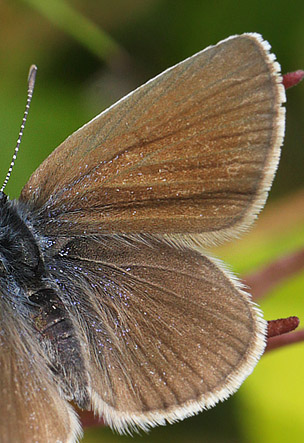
192 151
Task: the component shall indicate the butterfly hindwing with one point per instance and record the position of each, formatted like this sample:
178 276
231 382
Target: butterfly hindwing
32 407
168 331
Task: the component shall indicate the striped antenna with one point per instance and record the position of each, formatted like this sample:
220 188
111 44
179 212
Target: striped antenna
31 84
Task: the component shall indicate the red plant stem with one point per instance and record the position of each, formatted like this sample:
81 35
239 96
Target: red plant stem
292 78
263 280
284 340
282 326
88 419
277 333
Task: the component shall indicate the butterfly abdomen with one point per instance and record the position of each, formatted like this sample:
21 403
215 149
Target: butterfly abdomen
61 344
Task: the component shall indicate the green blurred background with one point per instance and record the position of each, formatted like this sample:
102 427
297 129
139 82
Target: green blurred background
90 53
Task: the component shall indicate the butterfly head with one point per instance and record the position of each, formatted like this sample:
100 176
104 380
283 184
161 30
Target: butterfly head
20 257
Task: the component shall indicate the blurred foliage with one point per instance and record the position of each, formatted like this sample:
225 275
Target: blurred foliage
90 53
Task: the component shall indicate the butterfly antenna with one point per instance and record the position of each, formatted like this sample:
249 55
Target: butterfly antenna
31 83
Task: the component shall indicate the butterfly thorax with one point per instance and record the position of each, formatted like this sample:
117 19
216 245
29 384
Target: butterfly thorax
26 281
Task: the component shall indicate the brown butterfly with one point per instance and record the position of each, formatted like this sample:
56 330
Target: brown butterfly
107 297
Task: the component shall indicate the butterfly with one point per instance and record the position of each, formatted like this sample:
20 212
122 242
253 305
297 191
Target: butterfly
108 298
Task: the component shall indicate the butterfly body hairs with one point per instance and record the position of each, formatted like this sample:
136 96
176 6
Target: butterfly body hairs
107 298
